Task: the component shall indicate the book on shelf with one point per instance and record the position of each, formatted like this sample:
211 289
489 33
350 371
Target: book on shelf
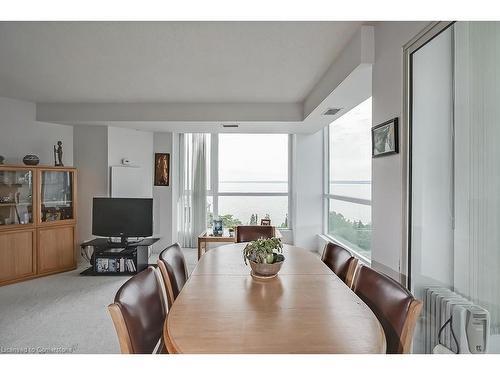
131 265
112 265
115 265
102 265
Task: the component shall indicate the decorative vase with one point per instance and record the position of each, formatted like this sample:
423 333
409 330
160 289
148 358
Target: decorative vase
31 160
265 270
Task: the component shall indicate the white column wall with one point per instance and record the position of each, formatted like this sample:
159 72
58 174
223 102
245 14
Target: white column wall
307 189
387 172
164 202
91 160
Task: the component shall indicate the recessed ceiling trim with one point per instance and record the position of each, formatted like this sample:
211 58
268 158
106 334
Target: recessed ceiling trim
359 51
226 113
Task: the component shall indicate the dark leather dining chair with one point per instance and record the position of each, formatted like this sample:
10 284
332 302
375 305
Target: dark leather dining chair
174 271
394 306
340 261
246 233
138 314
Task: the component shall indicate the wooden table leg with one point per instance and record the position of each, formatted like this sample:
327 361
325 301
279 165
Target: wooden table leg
204 247
199 248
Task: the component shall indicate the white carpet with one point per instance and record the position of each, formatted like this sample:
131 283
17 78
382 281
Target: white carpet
63 313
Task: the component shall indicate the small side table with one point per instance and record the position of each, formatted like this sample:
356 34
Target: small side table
206 237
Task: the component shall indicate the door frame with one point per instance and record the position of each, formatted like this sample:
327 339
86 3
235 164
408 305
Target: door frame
417 42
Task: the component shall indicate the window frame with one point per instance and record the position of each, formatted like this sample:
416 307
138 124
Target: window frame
327 196
421 39
214 180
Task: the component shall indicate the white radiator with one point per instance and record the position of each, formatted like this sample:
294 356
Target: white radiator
467 331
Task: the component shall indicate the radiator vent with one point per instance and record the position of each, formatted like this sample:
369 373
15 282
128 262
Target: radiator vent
441 304
331 111
230 125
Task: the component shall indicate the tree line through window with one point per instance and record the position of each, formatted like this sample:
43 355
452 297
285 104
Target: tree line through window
348 196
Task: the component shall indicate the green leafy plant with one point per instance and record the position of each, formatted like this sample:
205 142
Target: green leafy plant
264 251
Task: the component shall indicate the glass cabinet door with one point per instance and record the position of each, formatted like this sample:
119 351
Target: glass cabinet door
56 195
16 197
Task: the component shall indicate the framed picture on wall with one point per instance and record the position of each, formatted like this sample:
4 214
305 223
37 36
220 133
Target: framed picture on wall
385 138
162 169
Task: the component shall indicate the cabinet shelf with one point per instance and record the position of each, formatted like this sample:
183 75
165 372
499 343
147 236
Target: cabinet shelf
13 185
15 204
57 202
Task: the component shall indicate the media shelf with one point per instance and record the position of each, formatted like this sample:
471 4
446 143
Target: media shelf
115 259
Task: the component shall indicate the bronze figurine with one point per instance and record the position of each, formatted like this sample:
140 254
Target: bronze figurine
58 153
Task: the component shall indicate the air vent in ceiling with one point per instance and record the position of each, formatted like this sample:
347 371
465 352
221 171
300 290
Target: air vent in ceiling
331 111
230 125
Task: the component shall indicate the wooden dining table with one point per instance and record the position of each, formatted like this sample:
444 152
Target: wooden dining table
306 308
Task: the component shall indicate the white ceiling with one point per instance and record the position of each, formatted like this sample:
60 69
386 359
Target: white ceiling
175 62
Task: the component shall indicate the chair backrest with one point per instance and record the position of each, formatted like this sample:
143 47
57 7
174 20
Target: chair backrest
246 233
139 312
394 306
340 261
173 269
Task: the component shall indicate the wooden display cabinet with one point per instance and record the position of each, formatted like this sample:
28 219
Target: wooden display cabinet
37 221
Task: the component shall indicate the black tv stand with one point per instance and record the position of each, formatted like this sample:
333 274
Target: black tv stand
124 241
117 258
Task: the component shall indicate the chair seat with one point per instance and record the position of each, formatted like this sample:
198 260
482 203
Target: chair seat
173 267
247 233
138 313
340 261
394 306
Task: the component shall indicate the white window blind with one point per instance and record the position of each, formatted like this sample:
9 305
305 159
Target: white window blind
477 159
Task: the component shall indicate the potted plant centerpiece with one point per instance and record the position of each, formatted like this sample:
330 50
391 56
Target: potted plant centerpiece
265 257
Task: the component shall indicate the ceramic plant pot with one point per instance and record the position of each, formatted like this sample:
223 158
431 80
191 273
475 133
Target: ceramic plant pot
264 270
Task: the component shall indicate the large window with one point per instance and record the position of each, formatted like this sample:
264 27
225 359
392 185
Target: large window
348 191
249 179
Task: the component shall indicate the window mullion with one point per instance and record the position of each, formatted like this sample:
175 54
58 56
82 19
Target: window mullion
346 198
326 176
291 184
250 194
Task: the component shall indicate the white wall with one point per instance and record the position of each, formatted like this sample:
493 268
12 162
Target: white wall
97 148
20 134
307 189
91 159
135 145
387 172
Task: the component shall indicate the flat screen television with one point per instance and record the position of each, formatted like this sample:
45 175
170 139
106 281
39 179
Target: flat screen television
122 217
